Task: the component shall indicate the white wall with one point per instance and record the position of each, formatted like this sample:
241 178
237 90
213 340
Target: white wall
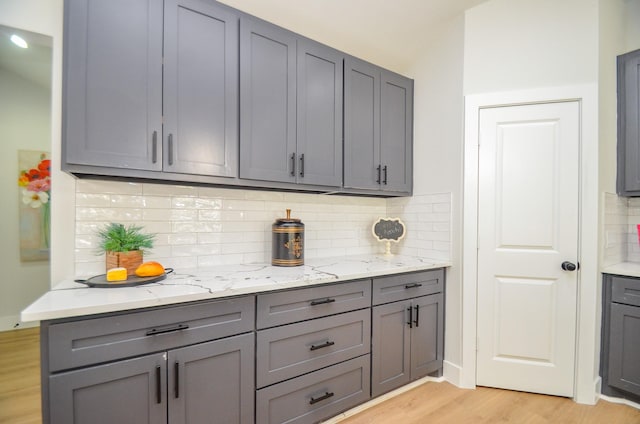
520 44
437 160
25 124
45 17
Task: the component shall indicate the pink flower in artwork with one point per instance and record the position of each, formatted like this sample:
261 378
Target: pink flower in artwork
39 185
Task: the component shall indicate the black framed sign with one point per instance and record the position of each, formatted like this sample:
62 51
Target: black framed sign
389 230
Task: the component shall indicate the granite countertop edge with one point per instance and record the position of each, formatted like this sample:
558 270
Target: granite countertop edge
627 269
70 299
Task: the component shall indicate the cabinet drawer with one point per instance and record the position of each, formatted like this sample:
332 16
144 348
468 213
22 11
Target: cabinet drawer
625 290
316 396
407 286
302 304
92 341
294 349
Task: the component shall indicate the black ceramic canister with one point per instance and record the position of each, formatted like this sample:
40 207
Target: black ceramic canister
288 241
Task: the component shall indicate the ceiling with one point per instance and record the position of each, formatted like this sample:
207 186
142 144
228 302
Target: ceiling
33 63
390 33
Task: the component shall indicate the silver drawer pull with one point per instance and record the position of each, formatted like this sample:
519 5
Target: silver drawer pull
412 286
322 302
320 346
327 395
156 331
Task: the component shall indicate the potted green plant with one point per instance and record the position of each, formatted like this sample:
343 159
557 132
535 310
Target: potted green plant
124 246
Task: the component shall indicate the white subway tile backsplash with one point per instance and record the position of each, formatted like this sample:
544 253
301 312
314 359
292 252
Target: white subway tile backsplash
169 190
207 226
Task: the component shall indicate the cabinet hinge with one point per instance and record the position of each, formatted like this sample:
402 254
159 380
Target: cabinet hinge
164 356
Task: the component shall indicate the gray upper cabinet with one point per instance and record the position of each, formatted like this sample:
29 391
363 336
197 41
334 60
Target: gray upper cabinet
362 125
200 88
113 83
319 117
290 107
267 101
195 91
378 128
116 93
396 132
628 183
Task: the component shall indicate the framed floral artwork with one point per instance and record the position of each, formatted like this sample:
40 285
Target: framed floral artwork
34 182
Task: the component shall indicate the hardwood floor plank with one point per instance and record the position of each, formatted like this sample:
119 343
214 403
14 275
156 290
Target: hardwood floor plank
20 376
443 403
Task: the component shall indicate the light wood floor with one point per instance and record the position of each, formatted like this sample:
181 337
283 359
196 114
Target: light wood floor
20 376
429 403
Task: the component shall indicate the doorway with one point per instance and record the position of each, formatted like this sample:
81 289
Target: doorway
528 247
585 378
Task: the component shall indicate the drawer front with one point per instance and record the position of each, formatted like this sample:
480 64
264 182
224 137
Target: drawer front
295 349
407 286
92 341
317 396
302 304
625 290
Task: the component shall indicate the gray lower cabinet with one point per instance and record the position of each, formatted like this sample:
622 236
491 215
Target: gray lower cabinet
378 134
316 396
118 92
180 364
188 385
619 364
291 107
407 335
628 183
125 392
214 379
312 352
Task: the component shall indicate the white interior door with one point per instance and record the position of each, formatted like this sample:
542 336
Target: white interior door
527 227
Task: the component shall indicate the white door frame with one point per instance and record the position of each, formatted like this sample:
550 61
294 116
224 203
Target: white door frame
588 322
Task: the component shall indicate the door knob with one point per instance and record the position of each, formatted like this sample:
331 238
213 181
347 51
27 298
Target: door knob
568 266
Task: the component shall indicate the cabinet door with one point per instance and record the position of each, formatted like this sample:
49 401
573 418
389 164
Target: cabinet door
212 382
319 117
200 88
396 132
267 102
391 349
124 392
361 125
113 83
624 348
427 335
628 123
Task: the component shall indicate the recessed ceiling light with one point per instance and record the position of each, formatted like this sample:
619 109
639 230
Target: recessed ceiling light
19 41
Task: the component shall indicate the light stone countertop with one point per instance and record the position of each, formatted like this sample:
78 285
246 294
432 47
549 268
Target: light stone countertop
629 269
71 299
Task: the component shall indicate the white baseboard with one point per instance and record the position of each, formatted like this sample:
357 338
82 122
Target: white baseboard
620 400
373 402
451 373
12 322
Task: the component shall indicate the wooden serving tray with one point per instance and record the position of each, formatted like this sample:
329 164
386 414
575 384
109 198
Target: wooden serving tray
100 281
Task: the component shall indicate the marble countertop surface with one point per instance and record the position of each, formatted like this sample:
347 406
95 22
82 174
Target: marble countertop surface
629 269
71 299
